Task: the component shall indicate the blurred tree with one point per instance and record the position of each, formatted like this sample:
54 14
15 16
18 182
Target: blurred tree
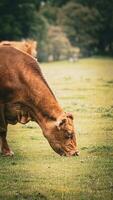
17 18
59 46
88 24
58 2
105 33
50 13
81 25
21 19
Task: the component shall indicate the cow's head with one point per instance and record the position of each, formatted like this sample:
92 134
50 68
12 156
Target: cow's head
61 136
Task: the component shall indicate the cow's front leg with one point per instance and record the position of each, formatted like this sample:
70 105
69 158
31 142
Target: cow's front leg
6 151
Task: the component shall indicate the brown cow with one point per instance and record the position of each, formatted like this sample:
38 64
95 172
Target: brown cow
25 95
28 46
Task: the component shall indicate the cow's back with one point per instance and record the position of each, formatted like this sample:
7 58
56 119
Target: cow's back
28 46
12 65
20 75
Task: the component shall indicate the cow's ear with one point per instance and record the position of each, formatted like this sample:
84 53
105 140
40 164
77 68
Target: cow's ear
59 123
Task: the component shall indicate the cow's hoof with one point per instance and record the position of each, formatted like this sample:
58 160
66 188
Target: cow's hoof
7 153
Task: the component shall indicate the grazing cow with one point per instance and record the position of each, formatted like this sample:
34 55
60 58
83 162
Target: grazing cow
25 95
28 46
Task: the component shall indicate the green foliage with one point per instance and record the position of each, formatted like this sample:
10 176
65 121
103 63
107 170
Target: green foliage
105 33
87 23
58 43
79 22
39 28
50 13
101 27
20 19
57 46
58 2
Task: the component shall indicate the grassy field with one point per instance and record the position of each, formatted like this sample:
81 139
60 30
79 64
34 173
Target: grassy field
36 172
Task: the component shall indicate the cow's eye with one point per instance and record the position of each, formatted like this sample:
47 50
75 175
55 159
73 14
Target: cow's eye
68 135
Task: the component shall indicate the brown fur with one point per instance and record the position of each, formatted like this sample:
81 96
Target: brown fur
25 95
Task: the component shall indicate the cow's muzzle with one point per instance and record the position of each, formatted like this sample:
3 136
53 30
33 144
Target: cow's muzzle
69 154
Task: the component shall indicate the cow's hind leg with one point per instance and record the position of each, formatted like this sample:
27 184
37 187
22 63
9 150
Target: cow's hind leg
5 150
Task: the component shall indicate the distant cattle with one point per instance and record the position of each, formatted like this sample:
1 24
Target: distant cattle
28 46
25 95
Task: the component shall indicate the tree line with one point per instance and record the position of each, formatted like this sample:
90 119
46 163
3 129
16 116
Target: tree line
59 25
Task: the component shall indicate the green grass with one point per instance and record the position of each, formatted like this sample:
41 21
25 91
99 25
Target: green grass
36 172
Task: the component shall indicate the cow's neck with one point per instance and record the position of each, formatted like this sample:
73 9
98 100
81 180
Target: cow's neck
46 113
44 118
46 107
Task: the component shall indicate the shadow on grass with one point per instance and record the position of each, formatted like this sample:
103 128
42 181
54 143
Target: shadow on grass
101 149
106 112
98 149
37 196
19 196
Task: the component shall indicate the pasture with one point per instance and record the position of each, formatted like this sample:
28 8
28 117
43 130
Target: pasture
84 88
